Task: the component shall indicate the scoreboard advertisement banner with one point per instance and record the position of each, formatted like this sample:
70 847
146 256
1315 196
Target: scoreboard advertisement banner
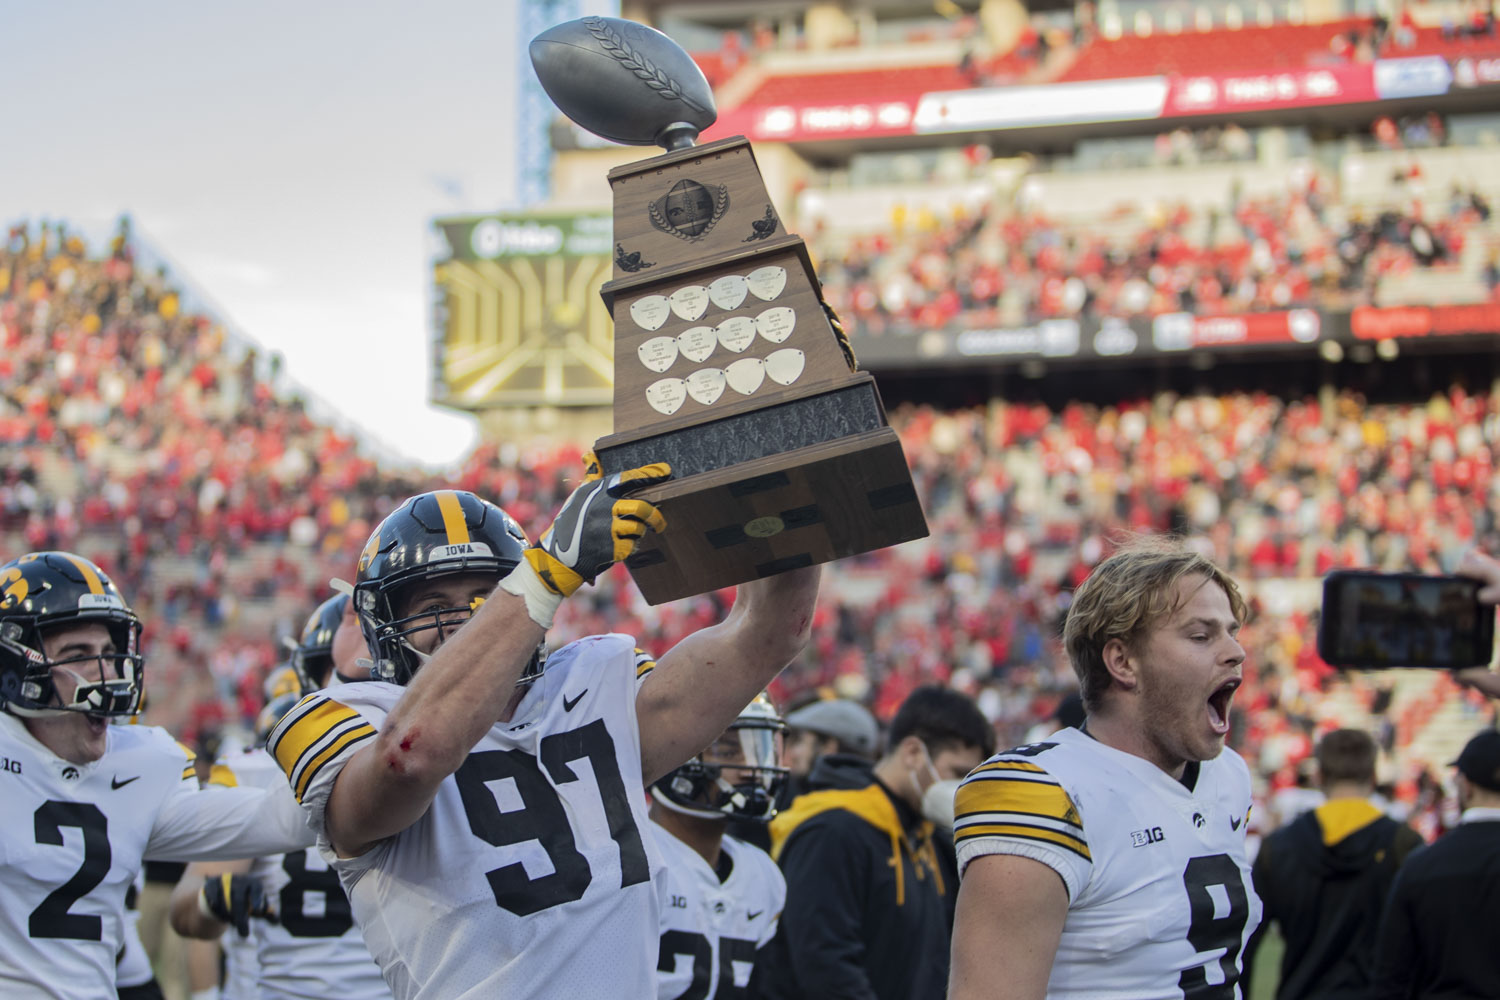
1142 98
1412 322
1093 339
517 316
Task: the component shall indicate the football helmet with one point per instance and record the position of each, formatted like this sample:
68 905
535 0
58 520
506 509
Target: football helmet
313 657
44 591
272 713
739 775
282 680
431 535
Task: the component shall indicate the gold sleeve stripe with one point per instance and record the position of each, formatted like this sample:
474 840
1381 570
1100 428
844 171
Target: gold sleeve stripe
189 772
454 523
187 751
290 742
1034 797
89 576
1010 765
1022 831
644 663
220 774
357 735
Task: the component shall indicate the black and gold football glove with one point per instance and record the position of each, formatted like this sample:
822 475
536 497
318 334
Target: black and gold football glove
234 899
598 526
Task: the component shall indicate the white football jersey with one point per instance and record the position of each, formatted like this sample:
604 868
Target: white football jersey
132 966
313 950
241 968
711 930
73 836
1160 902
530 874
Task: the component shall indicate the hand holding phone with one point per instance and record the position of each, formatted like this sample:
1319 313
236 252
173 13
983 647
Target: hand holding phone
1485 569
1372 620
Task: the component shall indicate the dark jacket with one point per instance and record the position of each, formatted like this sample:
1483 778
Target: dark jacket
1438 939
834 770
840 770
1324 878
867 911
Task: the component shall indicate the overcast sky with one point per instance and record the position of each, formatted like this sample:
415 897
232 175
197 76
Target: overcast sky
287 157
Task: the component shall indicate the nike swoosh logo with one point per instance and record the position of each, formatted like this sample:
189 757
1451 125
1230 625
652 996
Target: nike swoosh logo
756 913
1234 824
115 782
568 554
568 705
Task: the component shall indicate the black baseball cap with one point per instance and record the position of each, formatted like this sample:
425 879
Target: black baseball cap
1480 760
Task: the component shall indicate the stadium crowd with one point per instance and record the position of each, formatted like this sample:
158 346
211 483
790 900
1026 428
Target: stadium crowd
1018 265
118 404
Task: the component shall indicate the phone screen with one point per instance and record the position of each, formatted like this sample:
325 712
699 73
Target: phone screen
1378 620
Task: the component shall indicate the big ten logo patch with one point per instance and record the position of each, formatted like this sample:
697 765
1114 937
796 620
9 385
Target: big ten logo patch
1140 838
9 766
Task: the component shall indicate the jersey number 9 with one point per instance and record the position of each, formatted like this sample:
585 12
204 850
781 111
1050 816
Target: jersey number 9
544 819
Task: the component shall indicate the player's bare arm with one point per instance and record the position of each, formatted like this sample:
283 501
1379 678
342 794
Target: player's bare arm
700 686
1006 929
448 706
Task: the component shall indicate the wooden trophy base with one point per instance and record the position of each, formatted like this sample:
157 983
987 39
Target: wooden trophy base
726 367
816 477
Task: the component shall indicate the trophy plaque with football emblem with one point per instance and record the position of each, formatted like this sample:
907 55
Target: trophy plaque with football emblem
726 363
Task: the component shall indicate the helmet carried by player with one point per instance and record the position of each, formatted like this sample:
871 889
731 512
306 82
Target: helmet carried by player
740 774
282 679
271 714
313 656
44 591
430 536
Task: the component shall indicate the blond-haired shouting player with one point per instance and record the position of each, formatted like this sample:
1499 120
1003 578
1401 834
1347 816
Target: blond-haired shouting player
1110 861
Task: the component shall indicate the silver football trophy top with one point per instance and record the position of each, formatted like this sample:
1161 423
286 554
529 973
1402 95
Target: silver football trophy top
624 81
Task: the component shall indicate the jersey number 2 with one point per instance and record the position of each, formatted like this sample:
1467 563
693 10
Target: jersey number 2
52 919
1208 932
543 819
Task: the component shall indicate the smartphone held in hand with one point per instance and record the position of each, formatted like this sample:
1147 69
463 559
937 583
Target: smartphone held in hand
1372 621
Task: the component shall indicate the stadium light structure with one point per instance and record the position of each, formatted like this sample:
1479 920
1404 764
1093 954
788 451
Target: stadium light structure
533 134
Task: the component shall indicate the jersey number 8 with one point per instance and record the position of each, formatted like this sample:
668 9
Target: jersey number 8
337 918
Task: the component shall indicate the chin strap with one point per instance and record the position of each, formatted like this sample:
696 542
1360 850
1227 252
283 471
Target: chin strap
37 713
683 810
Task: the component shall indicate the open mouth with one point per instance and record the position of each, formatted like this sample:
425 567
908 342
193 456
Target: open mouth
1218 705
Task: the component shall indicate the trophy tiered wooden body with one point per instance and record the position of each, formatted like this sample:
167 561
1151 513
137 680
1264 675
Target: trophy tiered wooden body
727 367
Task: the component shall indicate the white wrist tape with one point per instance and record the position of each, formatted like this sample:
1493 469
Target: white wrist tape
541 602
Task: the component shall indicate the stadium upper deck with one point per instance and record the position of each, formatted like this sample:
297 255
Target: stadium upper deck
840 75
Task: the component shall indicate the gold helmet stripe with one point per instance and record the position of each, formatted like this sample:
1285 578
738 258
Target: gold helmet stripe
454 522
89 576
